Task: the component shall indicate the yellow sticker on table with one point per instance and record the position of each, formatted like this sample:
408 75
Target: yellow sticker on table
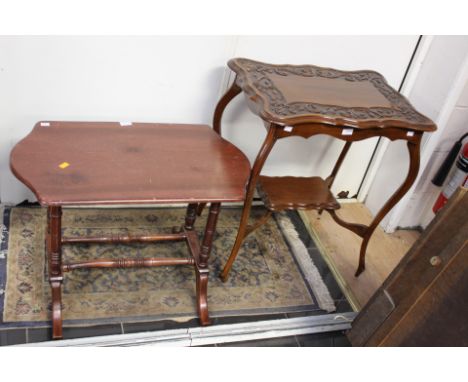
64 165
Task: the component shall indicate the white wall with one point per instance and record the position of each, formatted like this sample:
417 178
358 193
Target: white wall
419 210
437 78
175 79
163 79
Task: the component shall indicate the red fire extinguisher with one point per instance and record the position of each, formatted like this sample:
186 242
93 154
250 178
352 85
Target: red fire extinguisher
459 178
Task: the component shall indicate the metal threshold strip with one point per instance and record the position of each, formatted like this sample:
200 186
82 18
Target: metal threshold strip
218 333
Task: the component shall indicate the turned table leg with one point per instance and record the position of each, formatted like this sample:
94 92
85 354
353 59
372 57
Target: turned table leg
254 174
54 256
191 216
201 267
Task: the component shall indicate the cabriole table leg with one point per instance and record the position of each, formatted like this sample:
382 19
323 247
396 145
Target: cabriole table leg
366 231
256 169
413 149
233 91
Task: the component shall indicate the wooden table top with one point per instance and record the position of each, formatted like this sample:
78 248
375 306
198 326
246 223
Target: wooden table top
76 163
291 95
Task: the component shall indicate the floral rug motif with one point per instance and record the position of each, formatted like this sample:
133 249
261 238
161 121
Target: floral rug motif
266 277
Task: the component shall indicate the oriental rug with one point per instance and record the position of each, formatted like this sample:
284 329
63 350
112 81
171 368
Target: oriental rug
272 274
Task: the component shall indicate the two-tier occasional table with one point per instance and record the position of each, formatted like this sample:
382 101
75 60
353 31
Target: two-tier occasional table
103 163
310 100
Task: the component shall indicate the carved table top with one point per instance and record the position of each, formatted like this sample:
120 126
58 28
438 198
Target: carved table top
291 95
74 163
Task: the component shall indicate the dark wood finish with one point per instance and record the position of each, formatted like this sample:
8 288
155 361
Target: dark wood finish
193 245
424 300
114 239
209 234
106 163
54 256
223 102
258 223
358 229
308 100
190 216
290 193
310 130
330 179
413 149
127 263
138 164
254 174
202 296
201 268
200 208
366 231
291 95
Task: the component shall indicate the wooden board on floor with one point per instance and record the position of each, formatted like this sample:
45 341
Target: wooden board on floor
340 248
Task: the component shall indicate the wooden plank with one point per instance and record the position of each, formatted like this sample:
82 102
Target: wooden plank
439 316
428 288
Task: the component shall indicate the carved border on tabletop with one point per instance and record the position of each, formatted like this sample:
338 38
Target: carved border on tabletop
258 73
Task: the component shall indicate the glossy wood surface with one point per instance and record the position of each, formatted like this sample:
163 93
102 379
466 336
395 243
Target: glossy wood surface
77 163
54 258
290 192
128 263
82 163
254 174
199 257
293 94
304 101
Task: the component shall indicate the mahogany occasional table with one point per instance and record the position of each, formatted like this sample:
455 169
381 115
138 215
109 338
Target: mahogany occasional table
310 100
103 163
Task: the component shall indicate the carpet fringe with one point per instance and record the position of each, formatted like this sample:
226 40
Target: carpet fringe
311 273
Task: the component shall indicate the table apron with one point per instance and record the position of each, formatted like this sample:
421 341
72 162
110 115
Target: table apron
347 133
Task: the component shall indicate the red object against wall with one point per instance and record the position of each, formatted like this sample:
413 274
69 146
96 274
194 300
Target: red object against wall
459 178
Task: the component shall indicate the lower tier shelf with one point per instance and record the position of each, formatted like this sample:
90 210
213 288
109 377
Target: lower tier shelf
290 192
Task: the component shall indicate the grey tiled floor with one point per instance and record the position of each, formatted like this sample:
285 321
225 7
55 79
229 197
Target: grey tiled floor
330 339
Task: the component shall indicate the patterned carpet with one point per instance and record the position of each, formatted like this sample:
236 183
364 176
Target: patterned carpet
272 274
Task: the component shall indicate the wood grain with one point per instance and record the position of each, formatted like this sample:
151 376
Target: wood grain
290 192
145 163
308 100
427 289
83 163
294 94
